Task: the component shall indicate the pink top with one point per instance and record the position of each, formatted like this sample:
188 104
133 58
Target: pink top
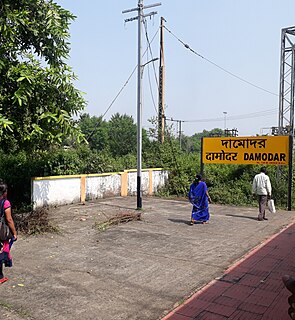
6 204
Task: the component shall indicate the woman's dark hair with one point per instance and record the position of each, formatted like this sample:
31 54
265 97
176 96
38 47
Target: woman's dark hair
3 188
198 177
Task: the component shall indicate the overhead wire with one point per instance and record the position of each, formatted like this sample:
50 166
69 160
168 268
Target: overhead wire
117 95
245 116
218 66
151 90
177 168
236 117
149 78
120 91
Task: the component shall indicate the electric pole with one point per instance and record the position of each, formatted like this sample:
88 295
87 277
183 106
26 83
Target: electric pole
286 97
161 109
140 17
180 132
179 127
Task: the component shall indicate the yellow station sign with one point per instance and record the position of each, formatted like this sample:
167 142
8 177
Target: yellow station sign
266 150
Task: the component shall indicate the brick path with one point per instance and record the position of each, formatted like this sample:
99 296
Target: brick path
252 289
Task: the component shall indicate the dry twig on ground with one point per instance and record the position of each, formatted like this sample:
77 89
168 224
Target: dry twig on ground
121 217
34 222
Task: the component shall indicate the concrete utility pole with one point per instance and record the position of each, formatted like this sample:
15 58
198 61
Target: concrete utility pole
180 132
179 127
161 109
140 16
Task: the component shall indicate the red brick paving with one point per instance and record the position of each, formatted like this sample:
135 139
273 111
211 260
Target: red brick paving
251 289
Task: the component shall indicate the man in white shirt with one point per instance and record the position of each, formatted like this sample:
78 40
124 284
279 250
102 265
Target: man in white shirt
261 187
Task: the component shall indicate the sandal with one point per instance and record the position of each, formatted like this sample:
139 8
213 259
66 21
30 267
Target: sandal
4 279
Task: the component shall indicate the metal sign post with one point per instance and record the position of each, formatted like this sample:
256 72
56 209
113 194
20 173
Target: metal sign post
290 174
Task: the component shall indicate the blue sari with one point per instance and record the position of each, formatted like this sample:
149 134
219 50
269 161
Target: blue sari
198 198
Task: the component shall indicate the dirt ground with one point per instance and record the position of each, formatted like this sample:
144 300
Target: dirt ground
138 270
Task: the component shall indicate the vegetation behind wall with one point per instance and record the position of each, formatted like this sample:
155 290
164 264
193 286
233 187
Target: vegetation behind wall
228 184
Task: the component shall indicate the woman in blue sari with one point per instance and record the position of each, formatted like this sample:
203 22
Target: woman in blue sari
199 198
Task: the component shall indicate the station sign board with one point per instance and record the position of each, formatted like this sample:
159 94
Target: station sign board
263 150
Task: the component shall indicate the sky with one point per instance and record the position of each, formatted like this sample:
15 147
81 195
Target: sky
241 37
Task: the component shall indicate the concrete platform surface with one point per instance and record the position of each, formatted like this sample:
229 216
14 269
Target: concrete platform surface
145 269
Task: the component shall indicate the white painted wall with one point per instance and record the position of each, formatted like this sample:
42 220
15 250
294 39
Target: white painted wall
62 190
159 179
103 186
56 191
132 182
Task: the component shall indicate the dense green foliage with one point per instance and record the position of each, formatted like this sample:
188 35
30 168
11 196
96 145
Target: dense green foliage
95 131
117 136
37 96
193 143
228 184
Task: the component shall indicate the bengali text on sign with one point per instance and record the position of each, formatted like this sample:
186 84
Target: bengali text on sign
266 150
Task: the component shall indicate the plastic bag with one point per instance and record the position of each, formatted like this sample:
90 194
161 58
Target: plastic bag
271 206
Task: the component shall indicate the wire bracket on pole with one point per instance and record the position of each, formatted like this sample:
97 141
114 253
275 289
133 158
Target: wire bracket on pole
141 7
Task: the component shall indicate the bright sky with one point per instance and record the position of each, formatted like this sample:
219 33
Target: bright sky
241 36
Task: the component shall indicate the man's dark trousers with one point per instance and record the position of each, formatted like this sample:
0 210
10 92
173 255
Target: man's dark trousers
262 200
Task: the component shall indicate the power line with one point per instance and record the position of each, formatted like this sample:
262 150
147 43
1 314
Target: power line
151 90
125 84
237 117
117 95
216 65
149 78
151 52
120 91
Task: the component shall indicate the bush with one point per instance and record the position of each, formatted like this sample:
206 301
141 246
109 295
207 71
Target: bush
228 184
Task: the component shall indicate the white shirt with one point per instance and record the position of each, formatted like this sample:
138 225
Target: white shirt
261 185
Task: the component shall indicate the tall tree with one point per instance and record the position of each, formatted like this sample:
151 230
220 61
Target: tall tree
37 95
122 135
193 143
95 130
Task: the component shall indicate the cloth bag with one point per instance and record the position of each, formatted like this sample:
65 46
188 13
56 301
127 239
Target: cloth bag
271 206
5 233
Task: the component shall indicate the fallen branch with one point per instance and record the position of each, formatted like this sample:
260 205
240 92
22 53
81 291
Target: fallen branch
122 217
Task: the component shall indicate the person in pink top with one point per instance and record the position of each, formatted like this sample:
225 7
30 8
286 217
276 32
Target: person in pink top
5 257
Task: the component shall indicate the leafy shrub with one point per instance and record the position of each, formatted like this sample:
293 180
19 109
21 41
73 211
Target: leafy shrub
228 184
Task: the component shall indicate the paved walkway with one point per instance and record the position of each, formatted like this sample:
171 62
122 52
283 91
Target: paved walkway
142 270
251 289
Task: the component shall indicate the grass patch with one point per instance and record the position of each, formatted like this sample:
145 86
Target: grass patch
20 312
